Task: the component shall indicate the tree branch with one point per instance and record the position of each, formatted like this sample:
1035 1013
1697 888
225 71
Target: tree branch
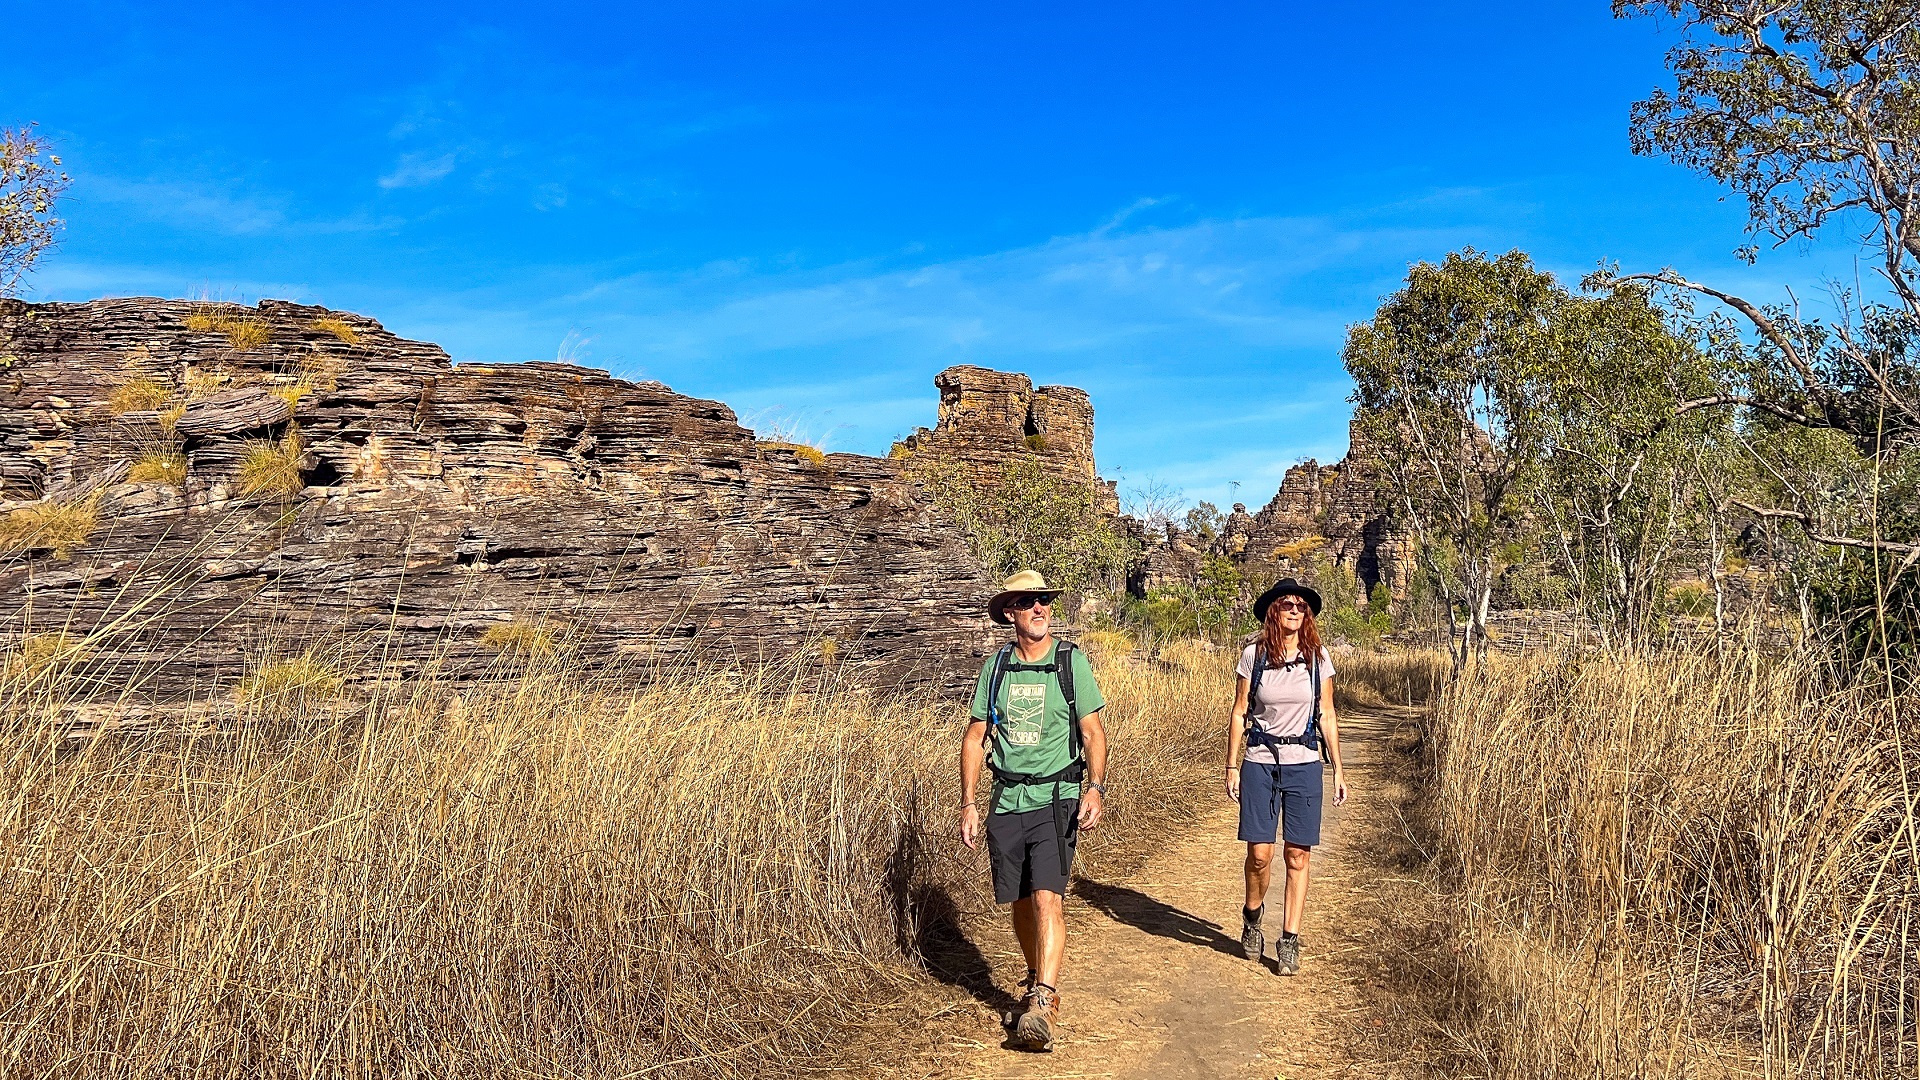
1806 522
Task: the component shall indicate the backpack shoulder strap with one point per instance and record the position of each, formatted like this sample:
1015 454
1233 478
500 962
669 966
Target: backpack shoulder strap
993 686
1253 683
1313 719
1063 659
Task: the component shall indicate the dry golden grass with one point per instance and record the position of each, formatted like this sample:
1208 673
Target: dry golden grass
520 638
139 394
59 526
292 392
272 467
1683 866
1404 677
702 873
160 466
339 328
811 455
243 332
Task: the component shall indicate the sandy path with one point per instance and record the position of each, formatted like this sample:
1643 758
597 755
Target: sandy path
1155 983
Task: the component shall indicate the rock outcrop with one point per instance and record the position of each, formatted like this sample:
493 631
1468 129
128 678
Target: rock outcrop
1326 513
213 486
987 417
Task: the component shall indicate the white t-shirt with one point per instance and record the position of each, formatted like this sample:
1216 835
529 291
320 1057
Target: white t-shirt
1285 705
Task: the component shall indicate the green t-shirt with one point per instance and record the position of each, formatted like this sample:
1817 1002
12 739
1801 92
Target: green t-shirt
1032 735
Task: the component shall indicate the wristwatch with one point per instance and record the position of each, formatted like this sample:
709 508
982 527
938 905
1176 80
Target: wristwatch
1101 788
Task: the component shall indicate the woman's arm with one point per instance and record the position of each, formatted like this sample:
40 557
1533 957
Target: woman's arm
1330 731
1236 736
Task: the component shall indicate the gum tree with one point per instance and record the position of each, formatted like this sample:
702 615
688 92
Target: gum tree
31 184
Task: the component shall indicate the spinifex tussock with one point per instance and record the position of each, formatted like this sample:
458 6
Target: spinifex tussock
1682 866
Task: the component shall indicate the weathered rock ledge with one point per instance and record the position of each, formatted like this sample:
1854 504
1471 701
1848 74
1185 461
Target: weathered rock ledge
279 479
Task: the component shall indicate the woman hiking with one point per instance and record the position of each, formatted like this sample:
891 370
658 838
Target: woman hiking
1282 717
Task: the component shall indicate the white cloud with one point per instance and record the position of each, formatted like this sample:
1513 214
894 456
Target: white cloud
419 170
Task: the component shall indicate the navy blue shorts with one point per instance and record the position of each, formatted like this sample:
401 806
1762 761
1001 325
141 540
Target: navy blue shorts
1263 802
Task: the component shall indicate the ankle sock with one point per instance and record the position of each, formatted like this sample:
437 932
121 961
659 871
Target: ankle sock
1288 935
1252 914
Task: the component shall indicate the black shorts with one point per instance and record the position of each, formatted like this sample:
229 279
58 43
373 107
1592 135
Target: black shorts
1026 850
1269 795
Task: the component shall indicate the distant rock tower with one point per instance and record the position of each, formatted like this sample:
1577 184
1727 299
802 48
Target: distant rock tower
989 417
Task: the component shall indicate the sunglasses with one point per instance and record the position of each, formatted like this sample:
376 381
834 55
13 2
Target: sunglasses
1030 600
1291 605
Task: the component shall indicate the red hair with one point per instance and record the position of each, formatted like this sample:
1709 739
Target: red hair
1273 636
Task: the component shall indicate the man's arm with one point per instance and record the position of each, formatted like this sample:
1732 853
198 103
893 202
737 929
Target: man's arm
1093 736
973 754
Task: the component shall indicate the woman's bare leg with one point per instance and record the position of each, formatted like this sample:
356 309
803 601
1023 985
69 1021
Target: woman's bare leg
1297 858
1259 874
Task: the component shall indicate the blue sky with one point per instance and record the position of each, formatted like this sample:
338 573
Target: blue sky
806 210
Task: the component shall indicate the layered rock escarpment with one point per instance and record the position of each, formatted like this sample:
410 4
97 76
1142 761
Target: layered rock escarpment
211 486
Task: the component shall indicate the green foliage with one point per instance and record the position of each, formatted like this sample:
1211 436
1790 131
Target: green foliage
1213 607
1027 515
31 183
1349 611
1205 523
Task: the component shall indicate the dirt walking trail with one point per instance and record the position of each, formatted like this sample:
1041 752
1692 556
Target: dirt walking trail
1156 985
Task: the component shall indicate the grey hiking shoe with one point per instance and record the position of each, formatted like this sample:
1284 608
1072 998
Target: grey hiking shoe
1034 1029
1253 943
1286 954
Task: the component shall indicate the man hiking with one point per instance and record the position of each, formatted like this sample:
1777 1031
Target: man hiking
1036 727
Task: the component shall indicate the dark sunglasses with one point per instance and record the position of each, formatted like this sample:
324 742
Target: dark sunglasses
1029 600
1291 605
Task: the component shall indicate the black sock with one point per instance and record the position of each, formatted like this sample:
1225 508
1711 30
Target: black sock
1288 935
1252 914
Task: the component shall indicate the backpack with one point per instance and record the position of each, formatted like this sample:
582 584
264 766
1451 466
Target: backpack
1309 738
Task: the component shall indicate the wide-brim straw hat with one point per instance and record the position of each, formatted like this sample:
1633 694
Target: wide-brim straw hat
1026 582
1284 587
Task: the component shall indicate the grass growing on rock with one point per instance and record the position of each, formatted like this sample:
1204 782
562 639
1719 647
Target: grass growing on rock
59 526
272 466
160 466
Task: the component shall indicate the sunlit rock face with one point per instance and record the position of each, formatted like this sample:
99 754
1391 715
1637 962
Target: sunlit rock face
282 478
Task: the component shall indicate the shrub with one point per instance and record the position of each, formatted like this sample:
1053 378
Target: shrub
138 394
59 526
272 467
1027 515
1037 443
163 467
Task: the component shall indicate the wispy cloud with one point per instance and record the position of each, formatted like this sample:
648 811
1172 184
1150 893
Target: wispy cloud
419 170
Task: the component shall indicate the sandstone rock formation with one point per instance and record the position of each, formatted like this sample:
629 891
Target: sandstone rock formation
1324 512
988 416
284 479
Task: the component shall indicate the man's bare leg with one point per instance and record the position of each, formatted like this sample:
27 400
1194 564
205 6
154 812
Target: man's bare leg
1026 928
1050 944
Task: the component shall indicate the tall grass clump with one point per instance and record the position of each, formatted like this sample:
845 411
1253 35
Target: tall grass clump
51 525
1677 866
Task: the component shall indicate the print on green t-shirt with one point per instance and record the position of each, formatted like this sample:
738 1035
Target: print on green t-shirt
1032 735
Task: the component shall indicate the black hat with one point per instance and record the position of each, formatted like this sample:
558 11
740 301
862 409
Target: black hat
1284 587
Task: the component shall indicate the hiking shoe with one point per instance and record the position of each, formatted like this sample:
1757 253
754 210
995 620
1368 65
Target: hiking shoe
1034 1029
1286 954
1253 943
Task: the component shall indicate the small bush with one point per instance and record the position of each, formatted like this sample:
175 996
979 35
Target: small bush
339 328
520 638
160 467
1037 443
59 526
272 468
138 395
1690 599
1300 549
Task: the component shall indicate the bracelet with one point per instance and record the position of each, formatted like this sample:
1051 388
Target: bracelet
1101 788
964 805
